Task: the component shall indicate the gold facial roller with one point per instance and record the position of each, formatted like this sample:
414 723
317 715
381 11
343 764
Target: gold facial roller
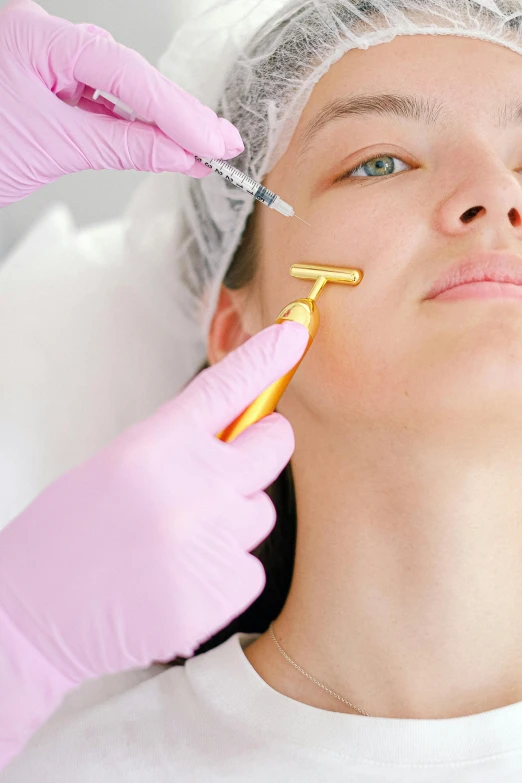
305 312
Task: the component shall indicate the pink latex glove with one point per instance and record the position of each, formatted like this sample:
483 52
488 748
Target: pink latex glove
142 553
48 127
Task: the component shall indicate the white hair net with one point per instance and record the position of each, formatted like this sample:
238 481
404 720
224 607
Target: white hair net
260 62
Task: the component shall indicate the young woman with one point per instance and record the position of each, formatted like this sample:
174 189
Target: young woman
386 644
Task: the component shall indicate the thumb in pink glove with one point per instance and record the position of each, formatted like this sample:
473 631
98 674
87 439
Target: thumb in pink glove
46 66
142 553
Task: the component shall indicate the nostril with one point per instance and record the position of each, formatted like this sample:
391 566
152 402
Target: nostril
513 215
469 214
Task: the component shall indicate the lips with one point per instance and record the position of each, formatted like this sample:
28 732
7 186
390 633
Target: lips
498 267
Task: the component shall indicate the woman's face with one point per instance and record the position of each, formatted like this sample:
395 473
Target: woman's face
383 352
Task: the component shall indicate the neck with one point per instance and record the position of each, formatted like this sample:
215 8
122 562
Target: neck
406 597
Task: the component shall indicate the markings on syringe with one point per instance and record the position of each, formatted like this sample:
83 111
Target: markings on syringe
227 176
241 180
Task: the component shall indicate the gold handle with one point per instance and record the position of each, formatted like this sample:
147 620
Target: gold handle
303 311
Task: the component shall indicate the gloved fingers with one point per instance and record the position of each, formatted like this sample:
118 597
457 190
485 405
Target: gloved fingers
255 521
102 141
245 582
255 458
220 393
73 93
67 57
238 524
112 143
198 170
124 73
222 585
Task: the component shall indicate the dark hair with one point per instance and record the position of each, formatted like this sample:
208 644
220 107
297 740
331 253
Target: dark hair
277 551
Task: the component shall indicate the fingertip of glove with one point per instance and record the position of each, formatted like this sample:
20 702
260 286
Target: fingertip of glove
198 171
292 336
232 138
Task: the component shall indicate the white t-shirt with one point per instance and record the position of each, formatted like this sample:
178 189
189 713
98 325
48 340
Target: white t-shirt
216 719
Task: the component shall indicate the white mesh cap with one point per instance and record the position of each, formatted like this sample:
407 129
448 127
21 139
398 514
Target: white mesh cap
256 62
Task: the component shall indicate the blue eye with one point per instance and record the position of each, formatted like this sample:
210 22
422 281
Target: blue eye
378 166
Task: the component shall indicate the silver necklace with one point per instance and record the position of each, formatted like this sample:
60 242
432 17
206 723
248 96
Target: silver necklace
320 684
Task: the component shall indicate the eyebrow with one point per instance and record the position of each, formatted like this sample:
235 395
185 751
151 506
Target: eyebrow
412 107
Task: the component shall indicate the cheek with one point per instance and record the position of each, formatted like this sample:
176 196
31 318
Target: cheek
362 230
352 363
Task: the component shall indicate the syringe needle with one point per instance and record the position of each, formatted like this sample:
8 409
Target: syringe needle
304 221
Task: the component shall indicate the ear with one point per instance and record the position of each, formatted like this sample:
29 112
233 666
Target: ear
227 331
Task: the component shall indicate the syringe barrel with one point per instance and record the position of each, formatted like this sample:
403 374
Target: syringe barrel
240 180
265 196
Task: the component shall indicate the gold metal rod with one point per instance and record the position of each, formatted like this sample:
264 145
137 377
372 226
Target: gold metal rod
318 287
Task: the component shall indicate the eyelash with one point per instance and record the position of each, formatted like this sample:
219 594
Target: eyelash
347 174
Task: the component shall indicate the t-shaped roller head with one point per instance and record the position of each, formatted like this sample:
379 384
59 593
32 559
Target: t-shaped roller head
305 312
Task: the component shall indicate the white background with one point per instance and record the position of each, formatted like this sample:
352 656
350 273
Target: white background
144 25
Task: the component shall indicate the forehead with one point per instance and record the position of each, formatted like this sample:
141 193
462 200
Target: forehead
445 75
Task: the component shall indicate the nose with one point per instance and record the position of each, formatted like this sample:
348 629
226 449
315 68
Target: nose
489 201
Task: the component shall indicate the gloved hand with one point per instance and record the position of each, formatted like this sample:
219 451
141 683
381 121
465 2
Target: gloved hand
142 553
48 127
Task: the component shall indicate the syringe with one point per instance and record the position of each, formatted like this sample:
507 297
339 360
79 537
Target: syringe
249 185
221 167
